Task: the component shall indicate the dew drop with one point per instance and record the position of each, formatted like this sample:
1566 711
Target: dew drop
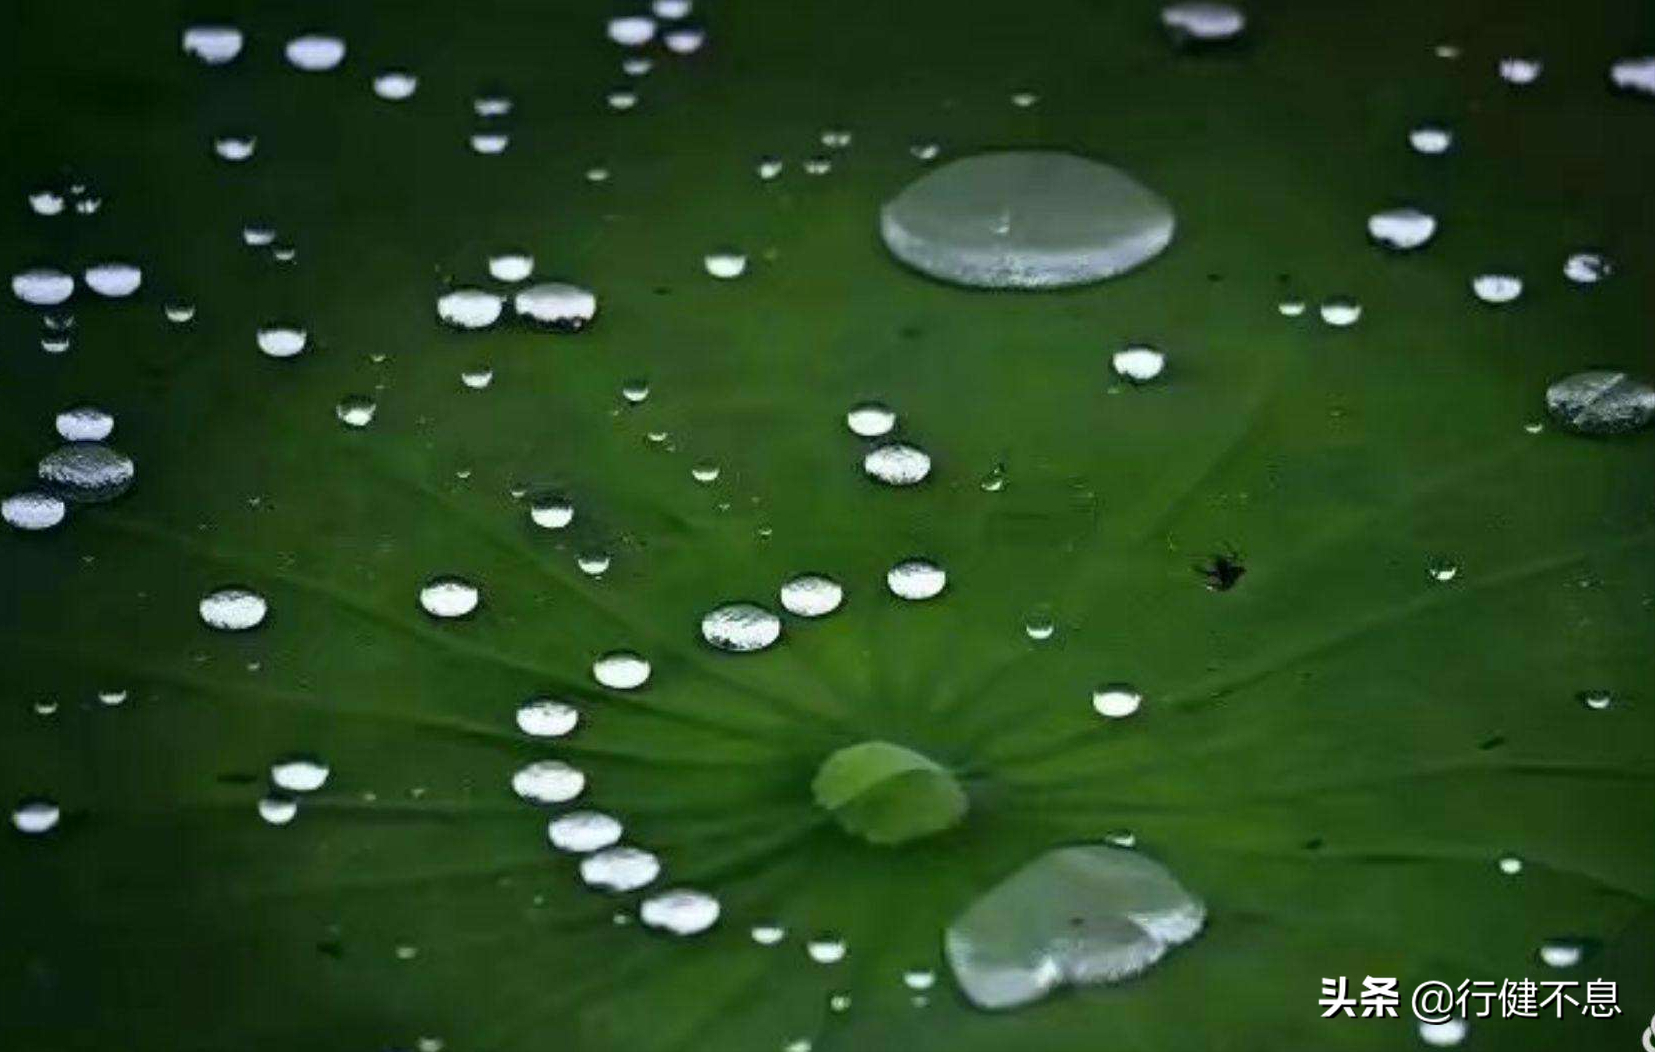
233 609
356 410
768 934
449 597
1442 570
1402 229
1341 312
469 308
919 979
35 816
897 464
551 513
1431 140
212 45
114 280
42 286
33 510
278 809
1445 1034
1202 21
1116 701
1634 74
1520 71
726 265
1596 700
916 579
620 869
811 595
46 202
1560 953
1511 865
301 774
1601 402
583 832
511 266
680 911
621 670
489 144
684 41
741 628
1497 288
235 148
826 949
84 424
394 85
315 52
548 782
1587 268
547 718
870 419
1138 364
281 341
631 30
87 472
557 305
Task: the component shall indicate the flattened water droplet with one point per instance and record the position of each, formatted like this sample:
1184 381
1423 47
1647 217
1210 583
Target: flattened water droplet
621 670
315 52
583 832
547 717
548 782
42 286
279 341
1138 364
1116 701
768 934
235 148
811 595
557 305
1497 288
470 308
87 472
1202 21
620 869
449 597
1402 229
916 579
1601 402
1561 953
212 45
300 774
114 280
919 979
681 911
1030 219
741 628
233 609
897 464
84 423
1443 570
1634 74
33 510
826 949
1076 915
35 816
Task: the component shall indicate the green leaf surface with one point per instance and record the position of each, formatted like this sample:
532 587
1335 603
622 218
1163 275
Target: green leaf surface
1333 755
888 794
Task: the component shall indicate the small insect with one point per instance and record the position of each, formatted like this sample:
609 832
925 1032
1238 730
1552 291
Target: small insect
1222 571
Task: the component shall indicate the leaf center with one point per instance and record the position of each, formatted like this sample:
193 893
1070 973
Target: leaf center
888 794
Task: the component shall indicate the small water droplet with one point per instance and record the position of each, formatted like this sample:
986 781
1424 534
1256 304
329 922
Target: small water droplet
449 597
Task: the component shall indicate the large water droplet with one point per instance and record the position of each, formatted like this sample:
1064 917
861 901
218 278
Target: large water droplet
448 597
1202 21
212 45
1497 288
394 85
35 816
557 305
33 510
280 341
1116 701
470 308
42 286
87 472
315 52
1031 219
621 670
811 595
1402 229
548 782
897 464
278 809
551 513
114 280
870 419
916 579
680 911
620 869
1601 402
583 832
84 423
1634 74
547 717
1077 915
741 628
1138 364
233 609
300 774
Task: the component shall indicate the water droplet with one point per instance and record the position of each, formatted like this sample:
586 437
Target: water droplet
768 934
278 809
925 152
897 464
635 391
593 564
1291 308
583 832
394 85
112 698
1431 140
42 286
811 595
114 280
1497 288
705 473
680 911
477 379
919 979
1116 701
631 30
278 341
621 670
35 816
551 513
1596 700
836 138
1341 312
817 166
1202 21
87 472
556 305
448 597
1443 570
1024 99
315 52
1601 402
1138 364
916 579
46 202
84 423
726 265
469 308
620 869
1445 1034
212 45
1634 74
1039 627
300 774
740 628
547 718
622 99
548 782
489 144
1511 865
870 419
1587 268
33 510
233 609
1030 219
491 105
826 949
1402 229
1076 915
1561 953
768 168
671 10
1520 71
839 1002
686 40
511 266
235 148
636 65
